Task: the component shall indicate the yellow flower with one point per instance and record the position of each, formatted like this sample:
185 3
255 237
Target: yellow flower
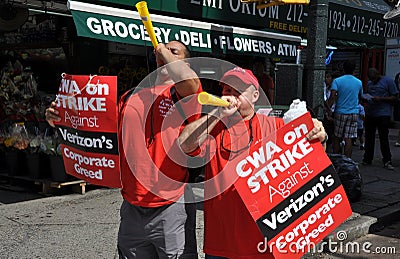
9 142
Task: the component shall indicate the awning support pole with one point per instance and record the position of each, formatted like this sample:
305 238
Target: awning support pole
316 54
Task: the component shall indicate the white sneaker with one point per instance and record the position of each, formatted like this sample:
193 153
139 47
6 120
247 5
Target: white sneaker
388 165
397 144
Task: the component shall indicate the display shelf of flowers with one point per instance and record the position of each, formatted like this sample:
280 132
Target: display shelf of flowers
32 155
26 148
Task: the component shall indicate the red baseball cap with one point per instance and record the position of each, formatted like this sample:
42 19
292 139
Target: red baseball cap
245 75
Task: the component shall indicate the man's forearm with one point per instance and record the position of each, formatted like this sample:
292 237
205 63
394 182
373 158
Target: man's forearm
387 99
194 134
186 80
332 98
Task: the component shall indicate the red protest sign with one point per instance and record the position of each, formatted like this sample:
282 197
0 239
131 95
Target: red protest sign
87 106
291 190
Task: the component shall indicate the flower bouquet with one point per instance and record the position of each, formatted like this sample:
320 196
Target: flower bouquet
50 144
18 92
15 141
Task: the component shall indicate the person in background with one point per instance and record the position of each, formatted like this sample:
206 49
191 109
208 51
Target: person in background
155 221
396 107
266 82
328 111
229 229
346 91
360 126
382 93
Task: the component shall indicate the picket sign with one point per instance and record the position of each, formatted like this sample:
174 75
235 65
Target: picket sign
88 128
291 189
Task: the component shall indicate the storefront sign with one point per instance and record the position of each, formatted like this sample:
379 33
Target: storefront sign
125 26
392 60
291 189
354 20
87 105
370 27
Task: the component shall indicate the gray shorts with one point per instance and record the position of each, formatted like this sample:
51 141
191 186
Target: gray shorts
164 232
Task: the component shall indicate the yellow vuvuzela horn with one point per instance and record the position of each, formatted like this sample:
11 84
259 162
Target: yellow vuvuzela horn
205 98
145 16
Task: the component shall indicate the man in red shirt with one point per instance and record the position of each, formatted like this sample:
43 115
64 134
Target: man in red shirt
230 231
155 220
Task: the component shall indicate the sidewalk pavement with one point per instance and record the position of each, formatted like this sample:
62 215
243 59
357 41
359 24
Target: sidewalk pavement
85 226
378 207
68 226
381 194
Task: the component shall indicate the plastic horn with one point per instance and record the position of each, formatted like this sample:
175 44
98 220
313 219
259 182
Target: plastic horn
205 98
145 16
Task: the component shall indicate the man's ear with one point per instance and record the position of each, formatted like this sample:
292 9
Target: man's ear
256 95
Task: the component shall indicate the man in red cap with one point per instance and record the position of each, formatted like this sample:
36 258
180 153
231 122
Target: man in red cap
229 230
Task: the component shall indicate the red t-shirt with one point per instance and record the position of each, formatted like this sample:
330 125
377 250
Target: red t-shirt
153 168
230 231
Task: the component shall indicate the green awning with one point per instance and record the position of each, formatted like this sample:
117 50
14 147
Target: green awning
119 25
356 20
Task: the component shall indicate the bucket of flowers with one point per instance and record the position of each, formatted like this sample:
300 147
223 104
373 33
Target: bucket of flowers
15 142
50 145
34 156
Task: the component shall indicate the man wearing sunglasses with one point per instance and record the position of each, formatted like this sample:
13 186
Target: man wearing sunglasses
230 231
